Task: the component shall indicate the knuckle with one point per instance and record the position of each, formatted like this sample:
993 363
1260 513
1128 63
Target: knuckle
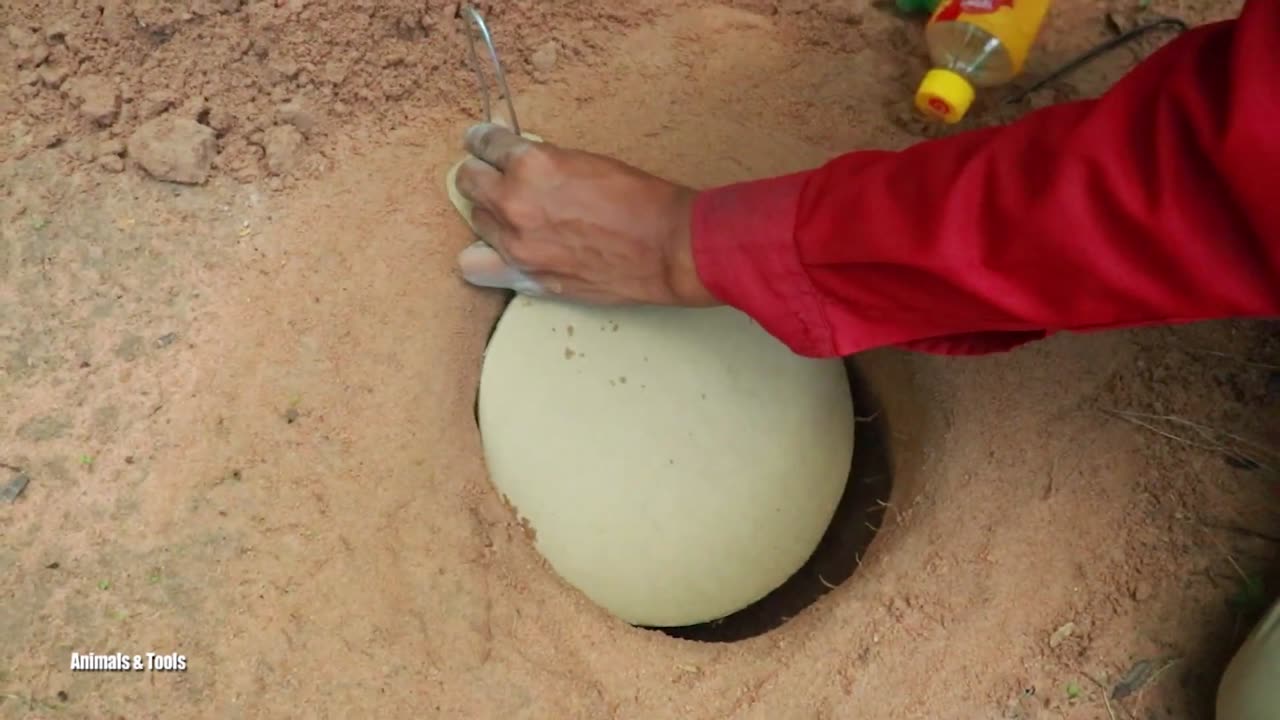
530 160
521 253
520 213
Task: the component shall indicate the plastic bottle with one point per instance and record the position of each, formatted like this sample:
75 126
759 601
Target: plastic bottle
975 43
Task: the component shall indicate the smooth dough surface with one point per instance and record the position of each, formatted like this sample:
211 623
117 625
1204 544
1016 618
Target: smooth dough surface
676 465
451 184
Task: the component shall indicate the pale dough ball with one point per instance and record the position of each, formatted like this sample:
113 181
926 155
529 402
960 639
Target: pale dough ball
676 465
1250 686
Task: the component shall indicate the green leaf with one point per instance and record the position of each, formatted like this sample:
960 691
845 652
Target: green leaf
104 584
1073 690
1251 595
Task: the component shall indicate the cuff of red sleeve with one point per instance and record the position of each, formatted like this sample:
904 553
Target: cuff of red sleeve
745 253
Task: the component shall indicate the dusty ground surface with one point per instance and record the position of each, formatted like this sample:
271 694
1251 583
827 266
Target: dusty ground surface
244 405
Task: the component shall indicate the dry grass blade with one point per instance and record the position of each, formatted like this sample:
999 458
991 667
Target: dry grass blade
1237 358
1209 438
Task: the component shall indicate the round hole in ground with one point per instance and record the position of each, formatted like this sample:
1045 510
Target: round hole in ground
849 534
853 526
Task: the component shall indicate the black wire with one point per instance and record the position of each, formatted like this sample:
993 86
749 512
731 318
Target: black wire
1105 47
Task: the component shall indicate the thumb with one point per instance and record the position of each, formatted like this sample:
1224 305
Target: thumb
482 265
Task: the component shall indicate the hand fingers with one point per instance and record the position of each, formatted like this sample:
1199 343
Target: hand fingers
482 265
495 144
479 183
490 230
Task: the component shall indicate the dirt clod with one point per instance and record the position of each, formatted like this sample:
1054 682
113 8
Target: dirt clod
111 146
21 38
1061 634
174 149
298 114
156 102
111 163
283 144
544 59
53 76
99 99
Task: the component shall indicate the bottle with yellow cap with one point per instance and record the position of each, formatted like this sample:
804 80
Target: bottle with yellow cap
975 44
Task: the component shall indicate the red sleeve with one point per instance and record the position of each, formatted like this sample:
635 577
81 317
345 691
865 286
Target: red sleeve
1157 203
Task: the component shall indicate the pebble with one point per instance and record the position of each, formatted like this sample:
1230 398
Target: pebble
111 163
20 37
10 491
174 149
297 114
282 144
1061 634
101 105
155 103
544 59
111 146
32 56
53 75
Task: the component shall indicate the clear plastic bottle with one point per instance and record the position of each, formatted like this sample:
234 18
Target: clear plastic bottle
975 43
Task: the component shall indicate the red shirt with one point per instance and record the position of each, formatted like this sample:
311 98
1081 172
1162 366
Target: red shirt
1156 203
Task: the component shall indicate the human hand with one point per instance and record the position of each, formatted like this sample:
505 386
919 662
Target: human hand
572 224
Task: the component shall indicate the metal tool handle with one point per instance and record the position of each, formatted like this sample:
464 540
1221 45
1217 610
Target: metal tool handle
477 20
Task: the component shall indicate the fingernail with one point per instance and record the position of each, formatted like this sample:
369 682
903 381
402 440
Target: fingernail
473 133
527 286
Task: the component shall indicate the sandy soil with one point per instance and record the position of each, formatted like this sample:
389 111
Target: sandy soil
244 405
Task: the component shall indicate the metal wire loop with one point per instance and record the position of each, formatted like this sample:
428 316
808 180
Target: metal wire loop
477 20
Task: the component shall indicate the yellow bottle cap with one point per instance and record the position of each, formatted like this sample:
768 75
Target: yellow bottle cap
945 95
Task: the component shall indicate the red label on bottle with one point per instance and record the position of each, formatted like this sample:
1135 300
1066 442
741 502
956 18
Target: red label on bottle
955 8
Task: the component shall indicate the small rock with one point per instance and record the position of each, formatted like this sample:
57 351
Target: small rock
285 68
10 491
1120 23
1061 634
544 59
111 163
297 114
111 146
53 75
99 99
155 103
32 56
174 149
82 149
57 31
221 120
21 38
282 144
166 340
